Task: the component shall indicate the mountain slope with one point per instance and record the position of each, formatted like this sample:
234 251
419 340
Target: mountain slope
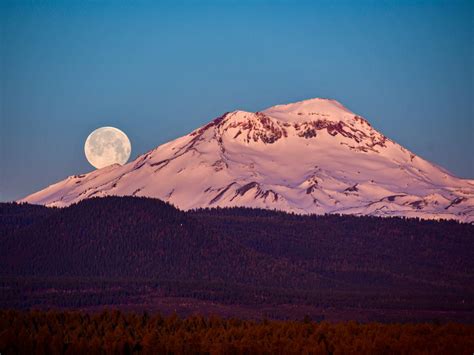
313 156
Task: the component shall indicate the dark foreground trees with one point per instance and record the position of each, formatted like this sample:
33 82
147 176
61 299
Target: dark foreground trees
120 333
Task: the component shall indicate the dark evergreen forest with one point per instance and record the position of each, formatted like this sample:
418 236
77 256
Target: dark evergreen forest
133 253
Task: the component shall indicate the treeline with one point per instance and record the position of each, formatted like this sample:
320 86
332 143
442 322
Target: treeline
235 255
114 332
130 237
15 216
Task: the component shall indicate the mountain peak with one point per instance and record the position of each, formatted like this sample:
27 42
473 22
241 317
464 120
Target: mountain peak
318 108
311 156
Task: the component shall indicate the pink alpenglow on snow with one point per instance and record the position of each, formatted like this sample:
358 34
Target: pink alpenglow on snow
313 156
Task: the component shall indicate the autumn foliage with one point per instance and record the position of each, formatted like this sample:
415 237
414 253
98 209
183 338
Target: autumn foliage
120 333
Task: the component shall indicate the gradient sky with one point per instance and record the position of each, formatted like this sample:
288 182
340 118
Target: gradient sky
158 69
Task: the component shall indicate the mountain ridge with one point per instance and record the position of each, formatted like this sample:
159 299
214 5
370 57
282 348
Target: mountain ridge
312 156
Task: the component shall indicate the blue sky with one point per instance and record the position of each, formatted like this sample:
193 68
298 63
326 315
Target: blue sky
158 69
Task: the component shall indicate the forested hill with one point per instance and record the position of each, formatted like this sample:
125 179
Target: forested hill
131 238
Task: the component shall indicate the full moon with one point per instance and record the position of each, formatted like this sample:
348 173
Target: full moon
106 146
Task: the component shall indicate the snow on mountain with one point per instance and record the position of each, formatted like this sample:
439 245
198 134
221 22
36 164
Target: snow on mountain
313 156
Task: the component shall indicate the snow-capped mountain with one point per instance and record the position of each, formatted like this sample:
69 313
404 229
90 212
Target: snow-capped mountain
313 156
